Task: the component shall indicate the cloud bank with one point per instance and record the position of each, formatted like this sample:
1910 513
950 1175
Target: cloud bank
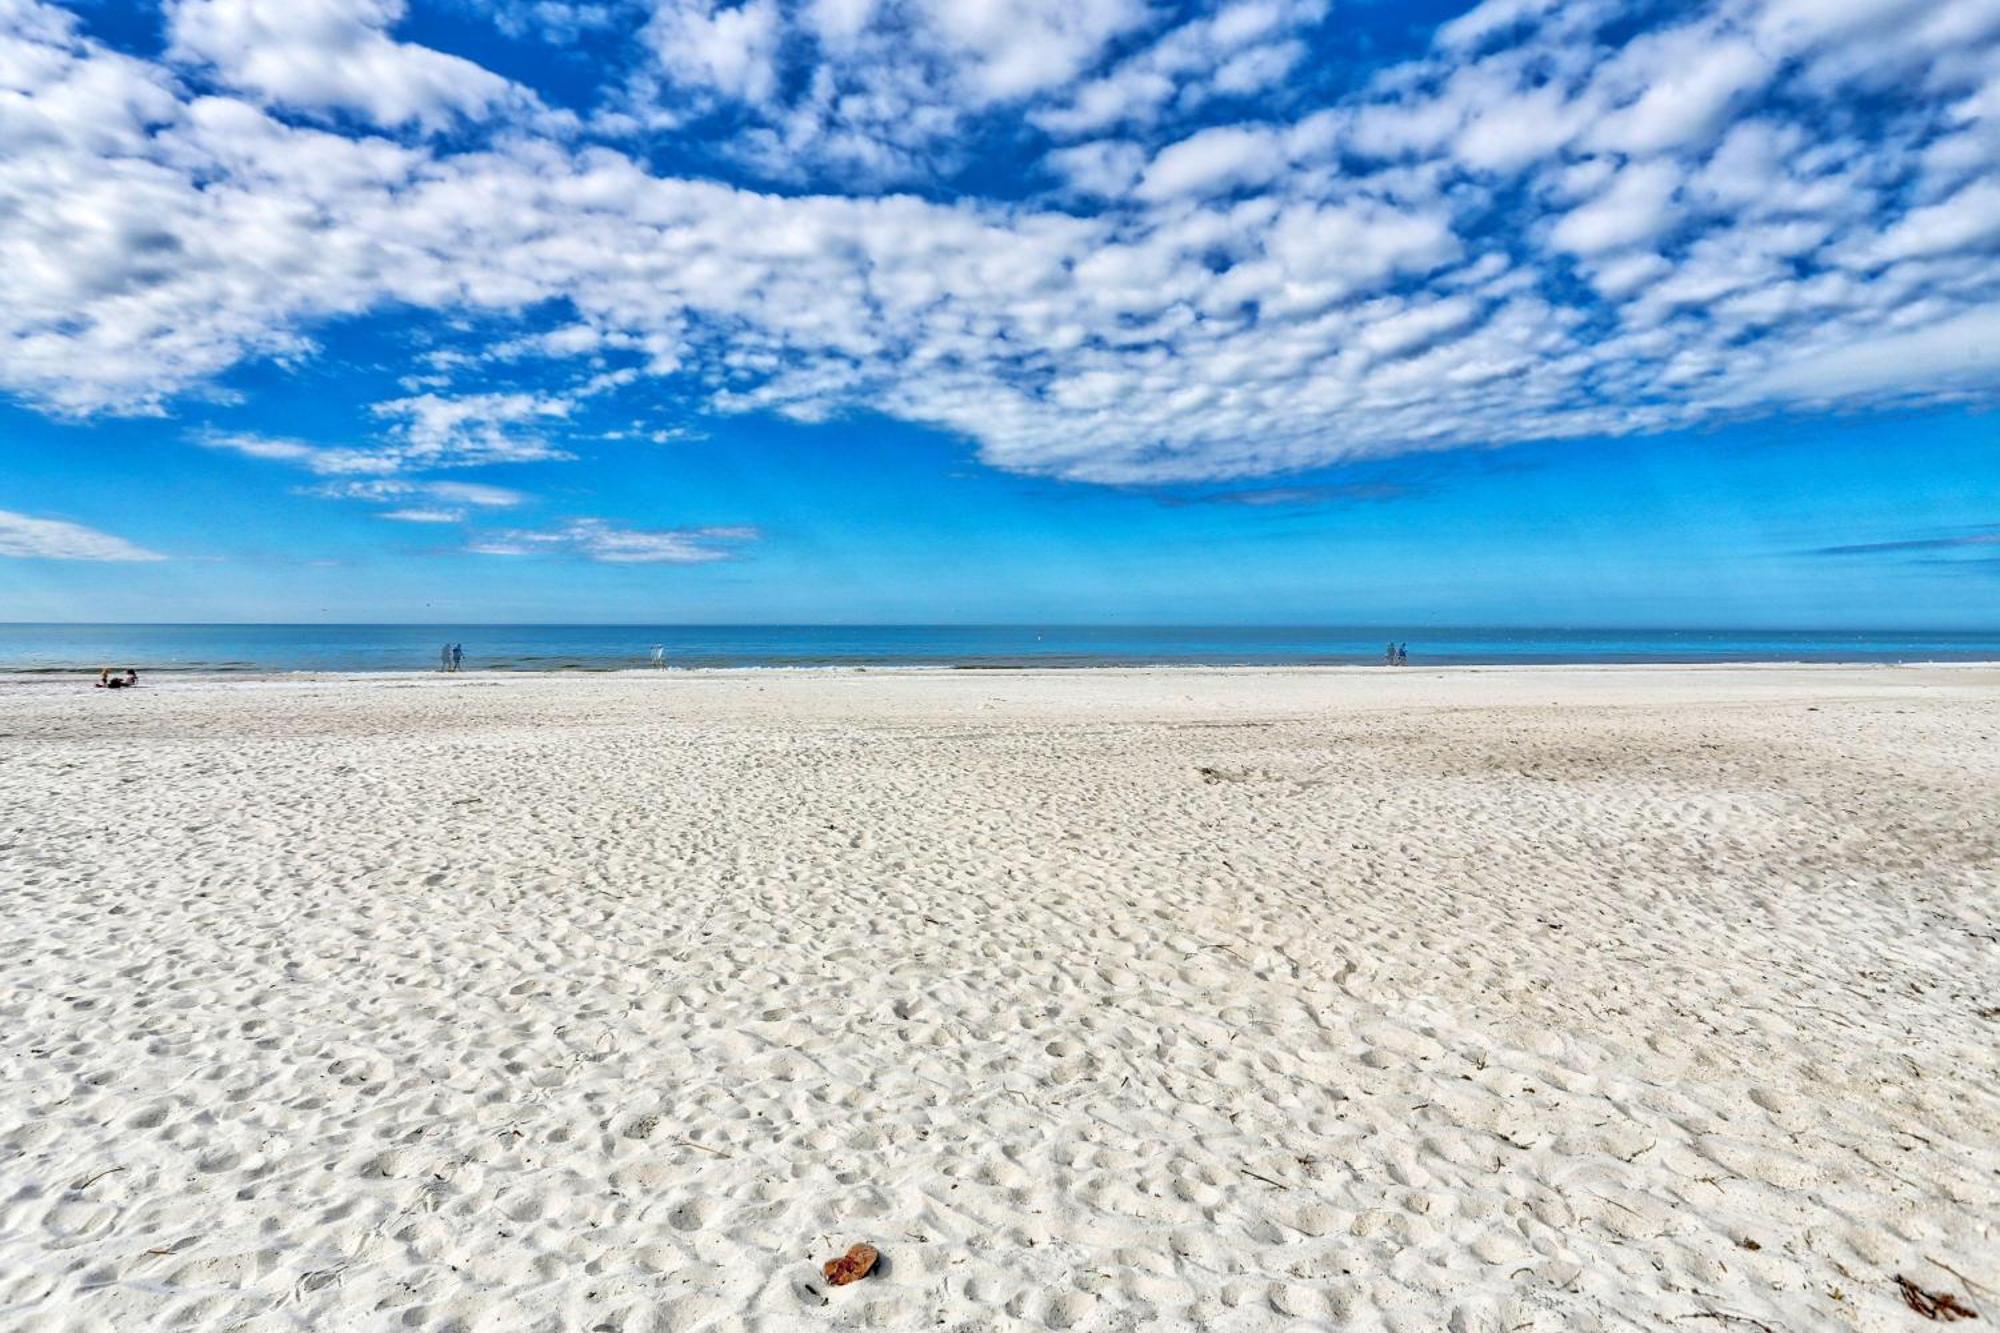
1556 221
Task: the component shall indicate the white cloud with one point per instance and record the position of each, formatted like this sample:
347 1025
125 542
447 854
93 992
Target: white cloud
971 52
367 475
471 493
857 92
1621 275
1107 168
595 539
1134 93
1005 49
1227 157
1509 131
1635 208
455 494
1969 220
25 537
1257 68
1685 82
730 49
438 431
557 21
428 431
329 55
1478 25
324 460
1961 353
1241 49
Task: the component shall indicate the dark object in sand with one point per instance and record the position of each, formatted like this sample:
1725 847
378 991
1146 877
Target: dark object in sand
1938 1305
856 1264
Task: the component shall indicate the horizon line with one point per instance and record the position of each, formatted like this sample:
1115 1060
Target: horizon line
1398 626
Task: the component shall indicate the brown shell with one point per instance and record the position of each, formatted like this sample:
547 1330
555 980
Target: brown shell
856 1264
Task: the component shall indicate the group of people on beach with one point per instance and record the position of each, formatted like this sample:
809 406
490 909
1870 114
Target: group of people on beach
106 680
450 656
1396 654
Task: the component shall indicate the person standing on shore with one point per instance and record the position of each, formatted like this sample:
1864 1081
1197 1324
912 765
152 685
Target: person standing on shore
444 658
457 655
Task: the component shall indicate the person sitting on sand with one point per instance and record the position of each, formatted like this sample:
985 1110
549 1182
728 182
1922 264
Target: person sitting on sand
107 681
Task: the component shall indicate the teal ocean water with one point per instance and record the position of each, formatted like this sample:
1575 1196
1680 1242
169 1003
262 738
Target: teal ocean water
282 648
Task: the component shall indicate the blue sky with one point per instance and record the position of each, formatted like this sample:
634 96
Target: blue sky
1590 313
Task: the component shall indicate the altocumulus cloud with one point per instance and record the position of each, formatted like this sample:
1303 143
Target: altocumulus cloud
22 535
1557 220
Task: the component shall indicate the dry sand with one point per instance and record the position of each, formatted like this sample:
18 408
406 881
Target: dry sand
1472 1000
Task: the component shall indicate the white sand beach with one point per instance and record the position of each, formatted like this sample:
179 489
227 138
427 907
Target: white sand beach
1488 1001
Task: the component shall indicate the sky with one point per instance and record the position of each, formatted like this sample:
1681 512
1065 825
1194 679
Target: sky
1590 313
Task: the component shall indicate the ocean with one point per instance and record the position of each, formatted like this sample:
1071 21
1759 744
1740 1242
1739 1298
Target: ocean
284 648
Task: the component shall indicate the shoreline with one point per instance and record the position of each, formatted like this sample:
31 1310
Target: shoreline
921 669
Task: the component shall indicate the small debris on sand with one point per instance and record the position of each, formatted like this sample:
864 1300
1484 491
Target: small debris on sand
1939 1305
857 1263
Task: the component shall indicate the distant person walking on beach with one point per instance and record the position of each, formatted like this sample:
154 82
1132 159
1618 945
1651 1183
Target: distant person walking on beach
659 655
1402 654
1389 655
444 658
457 655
